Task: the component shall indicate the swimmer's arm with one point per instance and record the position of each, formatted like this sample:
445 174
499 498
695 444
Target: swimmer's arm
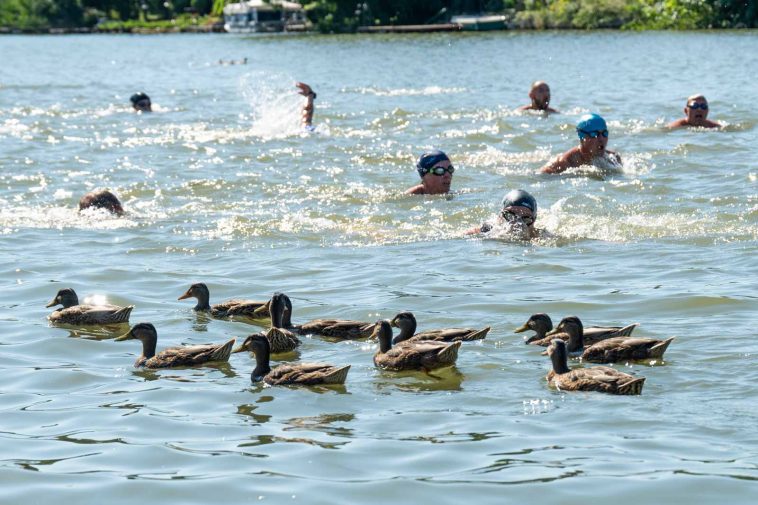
479 229
560 164
712 124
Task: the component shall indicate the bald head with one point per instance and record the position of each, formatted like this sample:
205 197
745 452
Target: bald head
539 93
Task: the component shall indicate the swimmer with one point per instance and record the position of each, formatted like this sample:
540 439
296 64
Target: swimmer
101 199
141 102
539 94
593 138
518 213
310 95
696 114
436 174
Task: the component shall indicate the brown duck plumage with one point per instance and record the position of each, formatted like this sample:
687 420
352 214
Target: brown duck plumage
280 338
308 374
412 355
245 308
343 329
544 333
73 313
600 378
173 356
406 321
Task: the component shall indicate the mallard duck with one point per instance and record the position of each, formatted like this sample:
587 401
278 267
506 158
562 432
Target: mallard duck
406 321
246 308
73 313
542 326
280 338
412 355
299 373
343 329
611 350
600 378
173 356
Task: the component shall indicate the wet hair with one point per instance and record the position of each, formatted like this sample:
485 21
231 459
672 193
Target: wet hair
428 160
137 97
101 199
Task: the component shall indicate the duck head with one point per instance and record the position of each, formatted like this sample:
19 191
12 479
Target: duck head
406 321
383 331
558 355
145 333
573 327
66 297
540 324
260 346
199 291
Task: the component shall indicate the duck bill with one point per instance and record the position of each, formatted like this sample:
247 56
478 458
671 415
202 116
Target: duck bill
554 331
239 348
185 296
393 323
125 336
51 304
521 329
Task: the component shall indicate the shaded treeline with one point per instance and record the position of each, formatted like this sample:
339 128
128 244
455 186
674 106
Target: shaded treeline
347 15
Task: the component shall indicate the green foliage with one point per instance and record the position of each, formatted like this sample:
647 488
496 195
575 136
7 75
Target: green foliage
347 15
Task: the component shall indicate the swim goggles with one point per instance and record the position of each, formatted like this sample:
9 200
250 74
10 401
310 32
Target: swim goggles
512 217
696 105
594 134
440 170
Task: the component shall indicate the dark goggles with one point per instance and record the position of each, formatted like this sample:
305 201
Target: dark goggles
594 134
696 105
512 217
440 170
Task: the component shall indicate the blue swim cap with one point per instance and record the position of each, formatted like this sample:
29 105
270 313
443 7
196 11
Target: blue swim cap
428 160
589 123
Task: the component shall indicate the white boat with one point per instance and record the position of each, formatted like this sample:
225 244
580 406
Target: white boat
481 22
255 16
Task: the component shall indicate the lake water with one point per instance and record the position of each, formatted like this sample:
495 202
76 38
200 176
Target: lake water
221 187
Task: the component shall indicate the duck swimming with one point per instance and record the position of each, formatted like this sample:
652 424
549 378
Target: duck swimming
73 313
279 337
600 378
299 373
611 350
343 329
406 321
542 326
173 356
247 308
421 355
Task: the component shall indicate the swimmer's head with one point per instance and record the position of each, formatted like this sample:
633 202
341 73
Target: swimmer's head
539 93
696 109
592 126
141 102
429 160
520 204
101 199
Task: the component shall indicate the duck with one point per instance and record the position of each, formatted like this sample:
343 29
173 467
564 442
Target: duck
542 325
406 321
74 313
280 338
600 378
611 350
342 329
423 355
247 308
308 374
173 356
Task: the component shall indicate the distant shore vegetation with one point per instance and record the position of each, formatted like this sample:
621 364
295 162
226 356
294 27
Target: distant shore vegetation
339 16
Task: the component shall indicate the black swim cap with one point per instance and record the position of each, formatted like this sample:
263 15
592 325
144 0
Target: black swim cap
520 198
428 160
137 97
